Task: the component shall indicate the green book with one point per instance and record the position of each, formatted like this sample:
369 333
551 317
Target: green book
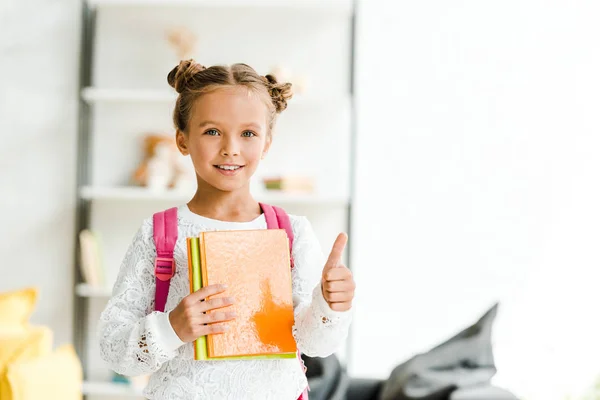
196 284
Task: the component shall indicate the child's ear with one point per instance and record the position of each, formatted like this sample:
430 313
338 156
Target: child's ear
181 141
266 148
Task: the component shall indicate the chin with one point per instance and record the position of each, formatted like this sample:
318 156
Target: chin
227 186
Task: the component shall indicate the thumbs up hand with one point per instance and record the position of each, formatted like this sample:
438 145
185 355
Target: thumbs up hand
337 282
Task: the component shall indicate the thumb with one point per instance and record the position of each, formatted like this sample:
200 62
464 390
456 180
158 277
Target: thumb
335 257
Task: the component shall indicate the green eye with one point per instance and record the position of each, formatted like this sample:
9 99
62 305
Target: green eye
248 134
212 132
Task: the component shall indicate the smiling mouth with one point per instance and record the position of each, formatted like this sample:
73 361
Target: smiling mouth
229 167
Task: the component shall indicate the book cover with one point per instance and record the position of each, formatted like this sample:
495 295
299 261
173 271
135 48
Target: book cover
255 265
90 258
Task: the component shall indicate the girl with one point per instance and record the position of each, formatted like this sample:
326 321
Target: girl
224 118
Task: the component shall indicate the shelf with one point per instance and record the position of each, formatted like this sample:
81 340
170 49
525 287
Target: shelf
338 6
86 290
125 193
93 95
109 389
97 95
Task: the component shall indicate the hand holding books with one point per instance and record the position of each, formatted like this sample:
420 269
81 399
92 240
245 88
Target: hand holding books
190 319
337 282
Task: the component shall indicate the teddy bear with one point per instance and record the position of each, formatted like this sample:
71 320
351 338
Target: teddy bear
183 41
163 166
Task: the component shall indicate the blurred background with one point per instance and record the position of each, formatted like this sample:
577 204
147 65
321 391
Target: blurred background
456 141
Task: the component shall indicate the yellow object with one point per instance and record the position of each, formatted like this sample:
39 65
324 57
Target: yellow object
15 309
57 375
34 343
28 368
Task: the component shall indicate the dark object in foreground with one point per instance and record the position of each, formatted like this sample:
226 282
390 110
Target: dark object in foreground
458 369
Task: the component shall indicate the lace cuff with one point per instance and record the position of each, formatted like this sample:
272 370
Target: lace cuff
326 314
166 337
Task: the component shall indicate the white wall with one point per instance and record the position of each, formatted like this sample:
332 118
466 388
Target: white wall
38 114
477 180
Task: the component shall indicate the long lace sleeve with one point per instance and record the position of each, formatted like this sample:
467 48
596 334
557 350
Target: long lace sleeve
134 340
319 331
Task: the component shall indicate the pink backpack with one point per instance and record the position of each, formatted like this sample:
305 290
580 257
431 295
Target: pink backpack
165 237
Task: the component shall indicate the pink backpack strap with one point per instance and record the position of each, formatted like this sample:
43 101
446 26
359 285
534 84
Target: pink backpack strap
165 237
277 218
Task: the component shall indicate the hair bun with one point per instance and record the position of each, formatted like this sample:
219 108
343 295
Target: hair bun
280 92
182 74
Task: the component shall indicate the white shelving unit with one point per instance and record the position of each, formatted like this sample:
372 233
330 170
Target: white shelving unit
114 95
86 290
98 95
121 101
126 193
124 97
344 7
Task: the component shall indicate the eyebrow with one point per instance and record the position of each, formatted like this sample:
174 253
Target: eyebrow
248 125
204 123
253 125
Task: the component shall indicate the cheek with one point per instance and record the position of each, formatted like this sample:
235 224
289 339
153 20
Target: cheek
255 150
200 149
255 153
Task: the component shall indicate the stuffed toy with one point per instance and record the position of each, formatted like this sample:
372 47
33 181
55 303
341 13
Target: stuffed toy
183 41
163 166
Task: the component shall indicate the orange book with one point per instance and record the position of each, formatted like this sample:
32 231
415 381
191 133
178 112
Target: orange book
255 266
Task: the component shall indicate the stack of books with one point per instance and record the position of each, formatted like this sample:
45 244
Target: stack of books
255 266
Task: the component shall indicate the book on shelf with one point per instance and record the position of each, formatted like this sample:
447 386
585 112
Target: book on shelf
290 184
255 266
90 258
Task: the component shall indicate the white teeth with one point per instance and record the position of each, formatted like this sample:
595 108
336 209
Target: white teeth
228 167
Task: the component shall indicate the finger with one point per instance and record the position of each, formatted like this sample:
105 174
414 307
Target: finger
335 257
217 317
214 304
339 297
205 292
212 329
339 286
337 274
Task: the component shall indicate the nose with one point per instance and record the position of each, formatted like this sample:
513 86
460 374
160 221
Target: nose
230 146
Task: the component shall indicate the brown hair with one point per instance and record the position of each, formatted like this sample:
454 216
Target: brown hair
191 80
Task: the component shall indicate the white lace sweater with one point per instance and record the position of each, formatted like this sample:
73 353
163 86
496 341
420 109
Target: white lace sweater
135 340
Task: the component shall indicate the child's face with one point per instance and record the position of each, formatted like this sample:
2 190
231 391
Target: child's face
227 137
